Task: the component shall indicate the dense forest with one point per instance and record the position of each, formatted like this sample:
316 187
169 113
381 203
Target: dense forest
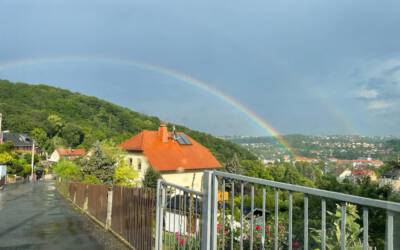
57 117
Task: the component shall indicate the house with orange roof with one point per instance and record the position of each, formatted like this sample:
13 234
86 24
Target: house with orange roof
176 156
306 159
67 154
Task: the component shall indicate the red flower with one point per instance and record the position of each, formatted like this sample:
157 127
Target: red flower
219 227
182 242
258 227
296 244
177 235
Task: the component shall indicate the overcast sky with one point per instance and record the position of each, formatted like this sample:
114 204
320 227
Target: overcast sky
313 67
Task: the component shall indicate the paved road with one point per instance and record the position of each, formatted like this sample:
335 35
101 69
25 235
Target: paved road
35 216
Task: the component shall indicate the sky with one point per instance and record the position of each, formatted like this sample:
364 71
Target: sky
309 67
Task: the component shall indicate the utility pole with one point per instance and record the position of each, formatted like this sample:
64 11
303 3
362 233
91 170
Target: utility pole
33 159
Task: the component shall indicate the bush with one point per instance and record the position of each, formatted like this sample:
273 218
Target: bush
125 175
68 170
90 179
5 158
150 178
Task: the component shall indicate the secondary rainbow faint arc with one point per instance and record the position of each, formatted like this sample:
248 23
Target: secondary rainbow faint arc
262 123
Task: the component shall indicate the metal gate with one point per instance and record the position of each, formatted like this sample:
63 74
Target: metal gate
178 217
210 219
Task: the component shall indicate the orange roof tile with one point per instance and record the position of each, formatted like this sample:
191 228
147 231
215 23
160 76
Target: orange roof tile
71 152
170 155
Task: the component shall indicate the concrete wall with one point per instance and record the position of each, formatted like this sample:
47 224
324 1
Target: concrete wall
55 156
137 161
189 179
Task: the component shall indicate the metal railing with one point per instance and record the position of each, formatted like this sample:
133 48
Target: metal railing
222 179
228 217
178 217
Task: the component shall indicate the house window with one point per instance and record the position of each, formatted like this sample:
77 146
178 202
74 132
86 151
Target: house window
130 162
139 164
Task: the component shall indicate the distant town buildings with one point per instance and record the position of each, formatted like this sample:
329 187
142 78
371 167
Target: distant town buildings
306 159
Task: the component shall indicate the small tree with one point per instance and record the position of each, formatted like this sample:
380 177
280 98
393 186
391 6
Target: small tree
150 178
67 170
233 165
99 165
40 137
125 175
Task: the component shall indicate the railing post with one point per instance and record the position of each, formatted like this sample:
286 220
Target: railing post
158 225
206 211
109 207
214 207
389 230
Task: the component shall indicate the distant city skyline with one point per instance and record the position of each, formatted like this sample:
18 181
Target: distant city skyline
227 68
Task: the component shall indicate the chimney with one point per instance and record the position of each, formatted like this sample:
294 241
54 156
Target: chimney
163 132
1 131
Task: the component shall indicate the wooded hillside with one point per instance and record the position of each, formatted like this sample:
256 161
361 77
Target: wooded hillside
58 117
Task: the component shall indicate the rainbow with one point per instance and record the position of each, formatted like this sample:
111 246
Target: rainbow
200 84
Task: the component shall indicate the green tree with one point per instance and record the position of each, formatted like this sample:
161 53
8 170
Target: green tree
55 124
99 165
125 175
151 177
19 166
41 138
233 165
6 147
72 135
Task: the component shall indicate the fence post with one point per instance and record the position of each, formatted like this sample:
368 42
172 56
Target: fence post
85 203
206 211
109 207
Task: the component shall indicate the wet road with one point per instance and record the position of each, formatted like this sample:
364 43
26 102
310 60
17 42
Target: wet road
35 216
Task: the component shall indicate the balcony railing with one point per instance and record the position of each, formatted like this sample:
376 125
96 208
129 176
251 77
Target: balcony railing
231 219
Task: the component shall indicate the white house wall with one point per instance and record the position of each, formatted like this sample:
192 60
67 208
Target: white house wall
55 156
189 179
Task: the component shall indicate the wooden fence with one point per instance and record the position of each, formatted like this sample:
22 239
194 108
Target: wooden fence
132 215
97 197
127 212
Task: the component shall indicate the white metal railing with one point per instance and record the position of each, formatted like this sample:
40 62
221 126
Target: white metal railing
208 233
178 217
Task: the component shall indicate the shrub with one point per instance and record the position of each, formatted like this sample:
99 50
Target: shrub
5 158
68 170
90 179
125 175
151 177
